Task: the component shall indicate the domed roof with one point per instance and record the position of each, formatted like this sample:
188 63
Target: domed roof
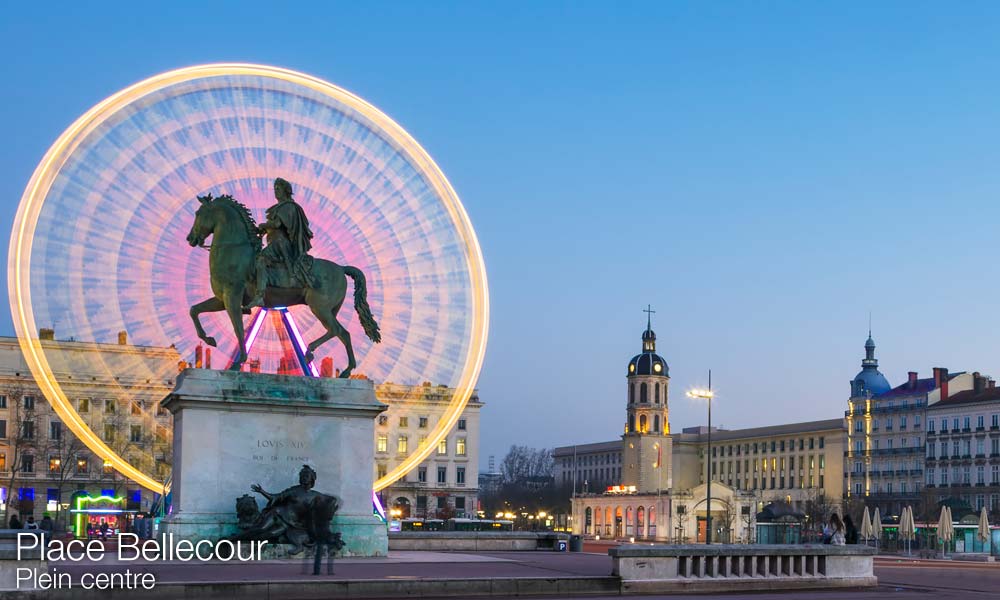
648 363
869 381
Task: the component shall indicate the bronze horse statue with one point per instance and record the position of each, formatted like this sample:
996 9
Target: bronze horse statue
236 242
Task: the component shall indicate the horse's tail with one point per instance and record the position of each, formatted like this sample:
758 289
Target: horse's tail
361 304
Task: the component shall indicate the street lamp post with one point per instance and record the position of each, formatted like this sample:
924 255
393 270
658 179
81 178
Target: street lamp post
707 395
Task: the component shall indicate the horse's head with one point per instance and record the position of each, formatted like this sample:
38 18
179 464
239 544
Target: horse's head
204 222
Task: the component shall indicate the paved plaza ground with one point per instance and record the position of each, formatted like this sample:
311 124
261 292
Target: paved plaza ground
898 578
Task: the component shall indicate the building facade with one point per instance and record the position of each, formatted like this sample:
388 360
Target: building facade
587 468
116 389
446 484
963 446
653 483
886 433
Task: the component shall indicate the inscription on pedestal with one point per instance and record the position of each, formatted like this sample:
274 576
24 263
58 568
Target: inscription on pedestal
277 451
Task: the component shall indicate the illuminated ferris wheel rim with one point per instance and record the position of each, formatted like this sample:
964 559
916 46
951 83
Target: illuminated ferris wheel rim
33 199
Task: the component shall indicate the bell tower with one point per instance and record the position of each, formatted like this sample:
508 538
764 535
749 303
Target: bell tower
647 445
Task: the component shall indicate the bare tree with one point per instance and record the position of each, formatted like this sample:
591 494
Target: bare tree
523 465
62 451
817 509
21 444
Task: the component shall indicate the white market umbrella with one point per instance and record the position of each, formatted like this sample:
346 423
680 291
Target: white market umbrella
866 526
877 527
983 531
944 525
907 527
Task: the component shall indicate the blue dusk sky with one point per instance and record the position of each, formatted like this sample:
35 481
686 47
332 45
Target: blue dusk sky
763 174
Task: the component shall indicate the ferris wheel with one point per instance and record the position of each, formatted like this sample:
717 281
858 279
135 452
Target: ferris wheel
98 244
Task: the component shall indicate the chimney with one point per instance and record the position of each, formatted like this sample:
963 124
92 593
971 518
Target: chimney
326 367
123 338
912 380
978 383
46 334
941 381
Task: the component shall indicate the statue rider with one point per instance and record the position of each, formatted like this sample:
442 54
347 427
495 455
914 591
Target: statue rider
288 244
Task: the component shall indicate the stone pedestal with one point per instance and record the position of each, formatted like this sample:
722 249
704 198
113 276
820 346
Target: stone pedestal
233 429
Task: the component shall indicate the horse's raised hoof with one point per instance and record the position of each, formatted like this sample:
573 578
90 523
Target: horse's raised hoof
309 357
345 373
210 341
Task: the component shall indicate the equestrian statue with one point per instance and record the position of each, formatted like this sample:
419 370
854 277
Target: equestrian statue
247 274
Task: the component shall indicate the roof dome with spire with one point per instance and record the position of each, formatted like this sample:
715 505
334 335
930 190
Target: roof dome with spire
649 362
869 381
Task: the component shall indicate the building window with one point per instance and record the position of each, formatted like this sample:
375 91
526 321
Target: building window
383 420
3 461
461 424
109 407
54 463
460 475
996 475
28 463
160 411
981 475
442 474
382 443
643 396
3 401
55 430
930 476
442 502
135 433
979 421
29 403
28 430
443 447
460 447
109 432
381 470
930 424
3 428
460 503
137 407
422 422
403 444
422 474
966 423
404 421
81 466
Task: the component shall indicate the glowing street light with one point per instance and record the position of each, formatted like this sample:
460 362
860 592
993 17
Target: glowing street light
706 394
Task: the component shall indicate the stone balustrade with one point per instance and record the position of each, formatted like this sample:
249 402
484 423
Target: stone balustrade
725 567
